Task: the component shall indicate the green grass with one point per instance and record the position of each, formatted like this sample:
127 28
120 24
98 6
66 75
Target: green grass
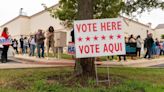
70 57
57 80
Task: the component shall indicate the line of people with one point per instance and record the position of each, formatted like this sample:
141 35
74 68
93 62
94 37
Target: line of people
152 48
37 41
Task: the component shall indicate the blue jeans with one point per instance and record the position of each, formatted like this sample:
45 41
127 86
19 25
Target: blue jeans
148 52
40 47
25 49
32 49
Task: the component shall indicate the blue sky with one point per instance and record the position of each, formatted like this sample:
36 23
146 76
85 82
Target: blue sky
9 9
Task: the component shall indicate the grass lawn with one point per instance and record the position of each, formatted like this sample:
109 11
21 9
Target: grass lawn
67 56
59 80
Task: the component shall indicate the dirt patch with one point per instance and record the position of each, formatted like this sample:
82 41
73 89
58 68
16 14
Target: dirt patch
17 84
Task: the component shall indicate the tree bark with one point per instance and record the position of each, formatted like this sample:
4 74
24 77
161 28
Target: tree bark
85 66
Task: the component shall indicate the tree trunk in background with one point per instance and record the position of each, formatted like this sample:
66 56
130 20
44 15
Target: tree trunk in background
85 66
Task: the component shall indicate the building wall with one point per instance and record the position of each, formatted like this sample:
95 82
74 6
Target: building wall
44 20
17 27
25 26
136 29
159 32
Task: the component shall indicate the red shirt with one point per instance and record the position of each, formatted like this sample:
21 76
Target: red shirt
6 36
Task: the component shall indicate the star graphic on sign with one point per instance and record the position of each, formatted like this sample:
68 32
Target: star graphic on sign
80 39
95 38
103 37
111 36
118 36
87 38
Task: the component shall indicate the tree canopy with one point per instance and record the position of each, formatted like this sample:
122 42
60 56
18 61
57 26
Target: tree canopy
67 11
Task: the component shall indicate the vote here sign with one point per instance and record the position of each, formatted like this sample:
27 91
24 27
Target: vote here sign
99 37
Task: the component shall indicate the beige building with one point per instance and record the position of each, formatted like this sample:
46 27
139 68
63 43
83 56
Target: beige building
159 31
26 25
137 28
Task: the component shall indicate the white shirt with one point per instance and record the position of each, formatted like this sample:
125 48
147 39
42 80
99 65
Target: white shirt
33 41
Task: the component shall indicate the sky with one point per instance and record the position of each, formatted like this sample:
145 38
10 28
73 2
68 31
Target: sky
9 9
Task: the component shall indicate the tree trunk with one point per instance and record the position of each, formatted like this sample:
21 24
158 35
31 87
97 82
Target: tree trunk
85 66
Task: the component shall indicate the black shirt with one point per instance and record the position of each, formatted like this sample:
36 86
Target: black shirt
21 42
73 36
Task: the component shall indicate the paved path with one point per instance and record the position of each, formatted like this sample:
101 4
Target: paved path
33 62
16 63
160 65
137 63
129 63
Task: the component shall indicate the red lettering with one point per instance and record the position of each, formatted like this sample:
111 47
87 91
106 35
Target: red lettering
120 46
103 26
114 26
105 48
111 48
94 27
81 49
119 25
97 48
92 50
89 27
108 26
87 49
111 25
117 47
84 27
78 27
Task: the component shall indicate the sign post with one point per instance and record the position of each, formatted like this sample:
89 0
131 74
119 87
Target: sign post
99 37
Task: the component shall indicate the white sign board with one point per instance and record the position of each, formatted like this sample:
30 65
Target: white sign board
99 37
4 41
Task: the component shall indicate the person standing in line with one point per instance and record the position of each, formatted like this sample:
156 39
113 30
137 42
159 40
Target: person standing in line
139 45
157 44
5 34
124 56
32 45
40 42
149 45
50 40
72 36
25 45
15 45
132 40
21 40
162 48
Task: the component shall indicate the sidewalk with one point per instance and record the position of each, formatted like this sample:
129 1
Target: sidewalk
54 61
23 66
136 63
48 61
